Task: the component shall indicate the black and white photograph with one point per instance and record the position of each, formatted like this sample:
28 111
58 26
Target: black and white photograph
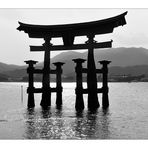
73 73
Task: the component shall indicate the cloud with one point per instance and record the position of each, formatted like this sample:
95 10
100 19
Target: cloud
131 39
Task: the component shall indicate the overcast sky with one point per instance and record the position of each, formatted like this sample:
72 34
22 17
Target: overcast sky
14 45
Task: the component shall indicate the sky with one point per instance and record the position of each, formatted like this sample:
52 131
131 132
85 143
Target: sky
14 45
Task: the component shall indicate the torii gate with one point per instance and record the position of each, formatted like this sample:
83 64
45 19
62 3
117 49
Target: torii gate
68 33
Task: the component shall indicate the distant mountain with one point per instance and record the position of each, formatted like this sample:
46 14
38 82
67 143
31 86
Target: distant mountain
124 61
8 67
129 70
123 56
65 57
119 56
17 73
3 78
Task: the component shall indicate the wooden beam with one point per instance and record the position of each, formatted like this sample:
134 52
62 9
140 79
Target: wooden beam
53 89
107 44
99 90
37 48
85 91
40 90
99 71
40 71
53 71
84 70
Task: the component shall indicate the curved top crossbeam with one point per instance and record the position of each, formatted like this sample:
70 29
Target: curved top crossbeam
71 30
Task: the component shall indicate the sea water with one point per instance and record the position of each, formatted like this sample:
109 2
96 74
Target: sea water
126 117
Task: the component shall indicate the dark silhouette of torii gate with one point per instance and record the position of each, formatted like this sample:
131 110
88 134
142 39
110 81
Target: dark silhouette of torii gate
68 32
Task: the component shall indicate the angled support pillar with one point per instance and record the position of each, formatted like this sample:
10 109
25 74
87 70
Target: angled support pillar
59 87
93 102
105 100
46 96
79 105
30 90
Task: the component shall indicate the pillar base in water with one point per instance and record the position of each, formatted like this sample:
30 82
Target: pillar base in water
46 99
79 105
59 99
31 103
93 102
59 107
105 100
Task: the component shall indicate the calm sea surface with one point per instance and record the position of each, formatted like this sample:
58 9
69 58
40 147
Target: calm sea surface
126 118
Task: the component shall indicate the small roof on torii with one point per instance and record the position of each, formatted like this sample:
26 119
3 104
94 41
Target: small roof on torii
71 30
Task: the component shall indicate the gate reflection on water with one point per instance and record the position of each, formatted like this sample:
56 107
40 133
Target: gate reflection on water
56 124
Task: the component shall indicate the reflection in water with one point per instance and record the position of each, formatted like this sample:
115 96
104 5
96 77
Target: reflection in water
94 125
123 120
104 124
30 124
91 124
47 124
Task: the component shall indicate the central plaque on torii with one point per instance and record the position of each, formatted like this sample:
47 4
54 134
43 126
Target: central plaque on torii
68 32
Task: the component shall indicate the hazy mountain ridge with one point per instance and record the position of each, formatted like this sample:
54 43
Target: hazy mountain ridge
133 70
124 61
3 77
8 67
119 56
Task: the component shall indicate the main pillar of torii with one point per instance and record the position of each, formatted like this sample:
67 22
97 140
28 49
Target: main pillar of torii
68 32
